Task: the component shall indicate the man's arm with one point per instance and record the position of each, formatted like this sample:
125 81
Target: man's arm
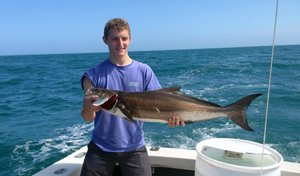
88 111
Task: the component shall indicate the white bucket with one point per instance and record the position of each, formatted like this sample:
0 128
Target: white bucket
235 157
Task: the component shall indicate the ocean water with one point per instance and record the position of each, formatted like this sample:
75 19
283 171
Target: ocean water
41 101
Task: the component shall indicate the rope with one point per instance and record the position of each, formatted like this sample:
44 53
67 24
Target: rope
269 83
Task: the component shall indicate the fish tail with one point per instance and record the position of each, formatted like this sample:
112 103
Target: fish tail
237 111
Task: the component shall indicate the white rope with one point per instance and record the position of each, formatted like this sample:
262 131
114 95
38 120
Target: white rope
269 84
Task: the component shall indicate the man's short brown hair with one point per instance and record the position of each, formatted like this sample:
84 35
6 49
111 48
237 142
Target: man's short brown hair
116 23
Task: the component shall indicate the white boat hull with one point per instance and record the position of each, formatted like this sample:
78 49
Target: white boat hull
162 158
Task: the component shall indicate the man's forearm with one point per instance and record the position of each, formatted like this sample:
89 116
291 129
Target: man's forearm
88 115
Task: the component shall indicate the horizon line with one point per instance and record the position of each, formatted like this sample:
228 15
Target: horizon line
92 52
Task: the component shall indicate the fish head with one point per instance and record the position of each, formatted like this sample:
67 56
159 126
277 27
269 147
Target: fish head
103 95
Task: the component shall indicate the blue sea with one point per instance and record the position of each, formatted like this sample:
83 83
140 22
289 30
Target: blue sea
41 100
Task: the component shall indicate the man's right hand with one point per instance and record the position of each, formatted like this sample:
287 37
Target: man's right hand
88 104
88 111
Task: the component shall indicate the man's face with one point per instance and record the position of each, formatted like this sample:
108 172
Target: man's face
118 42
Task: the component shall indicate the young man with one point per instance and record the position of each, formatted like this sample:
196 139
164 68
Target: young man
115 140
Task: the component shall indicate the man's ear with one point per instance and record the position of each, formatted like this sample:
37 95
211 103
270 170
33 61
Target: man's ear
104 39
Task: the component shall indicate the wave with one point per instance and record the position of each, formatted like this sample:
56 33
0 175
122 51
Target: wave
187 137
290 151
27 156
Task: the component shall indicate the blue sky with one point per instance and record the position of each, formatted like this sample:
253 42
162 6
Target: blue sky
73 26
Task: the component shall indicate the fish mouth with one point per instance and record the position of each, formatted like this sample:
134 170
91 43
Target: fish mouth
110 103
101 97
100 101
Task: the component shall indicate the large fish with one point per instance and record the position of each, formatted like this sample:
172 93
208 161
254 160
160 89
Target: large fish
160 105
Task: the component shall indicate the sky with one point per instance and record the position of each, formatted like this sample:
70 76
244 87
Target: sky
76 26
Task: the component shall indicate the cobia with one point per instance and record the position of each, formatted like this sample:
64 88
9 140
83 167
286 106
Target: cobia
160 105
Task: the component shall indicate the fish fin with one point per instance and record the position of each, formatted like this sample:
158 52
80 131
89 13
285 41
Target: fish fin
170 89
188 122
125 111
237 111
202 101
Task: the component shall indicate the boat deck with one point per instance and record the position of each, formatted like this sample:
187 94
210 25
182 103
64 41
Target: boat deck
164 162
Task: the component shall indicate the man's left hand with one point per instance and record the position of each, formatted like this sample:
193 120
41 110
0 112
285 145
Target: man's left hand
175 121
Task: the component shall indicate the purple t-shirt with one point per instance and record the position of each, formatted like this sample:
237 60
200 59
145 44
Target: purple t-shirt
111 133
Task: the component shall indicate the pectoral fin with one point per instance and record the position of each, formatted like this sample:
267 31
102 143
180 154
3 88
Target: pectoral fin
125 111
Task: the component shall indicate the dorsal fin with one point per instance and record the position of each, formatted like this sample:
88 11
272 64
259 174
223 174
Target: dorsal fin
170 89
201 101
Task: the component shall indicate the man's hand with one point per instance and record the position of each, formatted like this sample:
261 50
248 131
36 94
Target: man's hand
88 104
176 121
88 109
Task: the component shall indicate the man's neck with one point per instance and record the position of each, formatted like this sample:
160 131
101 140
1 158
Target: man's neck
121 61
